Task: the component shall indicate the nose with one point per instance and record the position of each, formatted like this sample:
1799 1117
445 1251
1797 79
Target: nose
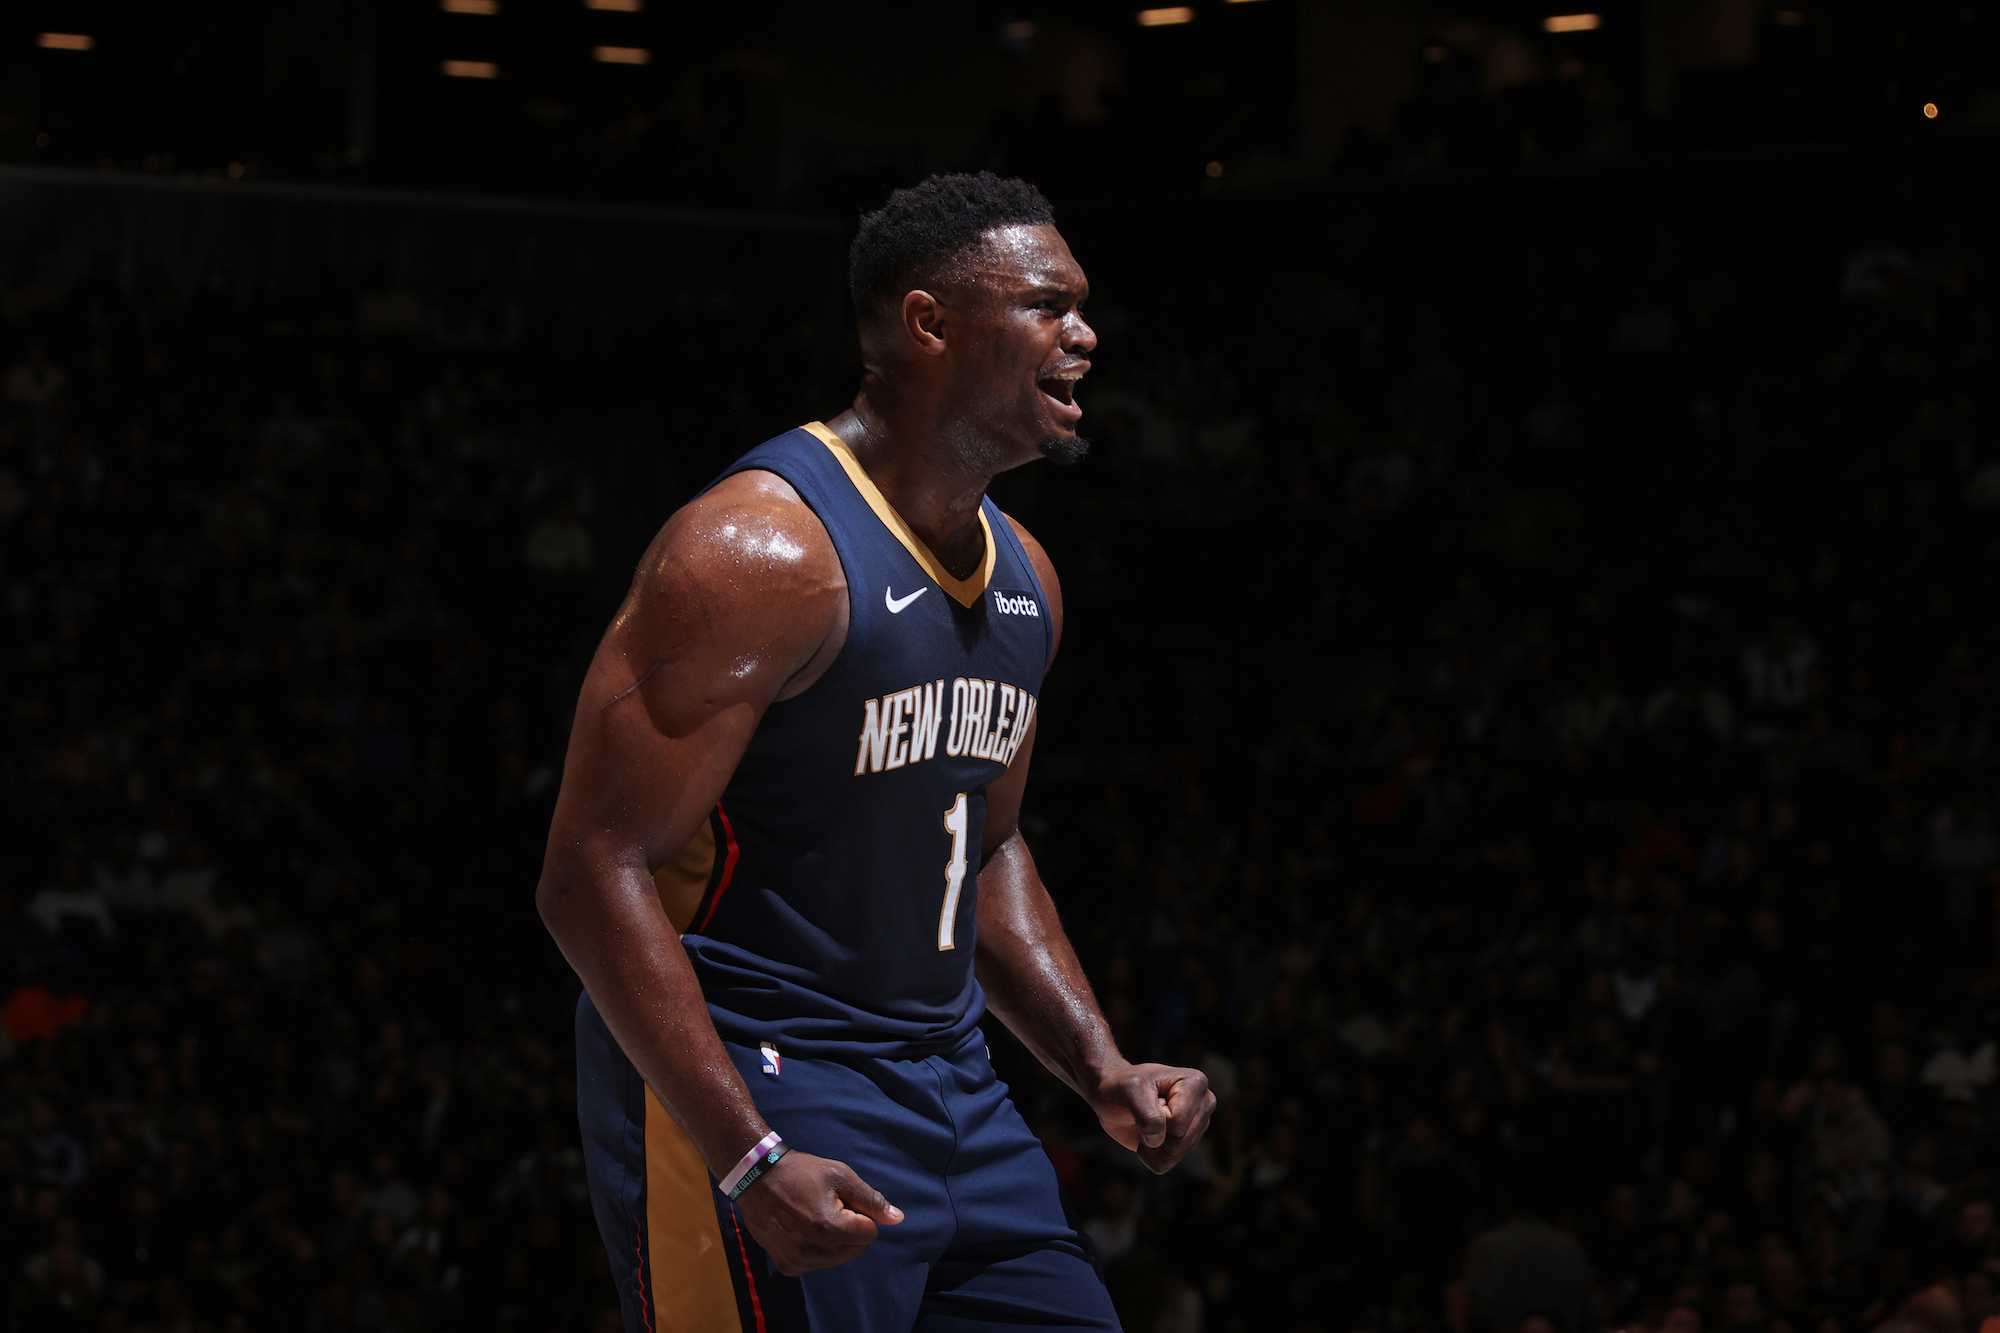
1078 338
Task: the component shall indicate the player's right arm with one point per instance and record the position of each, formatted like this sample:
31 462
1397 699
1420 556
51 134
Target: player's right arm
739 602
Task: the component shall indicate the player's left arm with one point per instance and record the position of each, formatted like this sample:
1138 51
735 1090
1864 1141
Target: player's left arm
1035 984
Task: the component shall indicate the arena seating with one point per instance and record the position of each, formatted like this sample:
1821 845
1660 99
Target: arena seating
1525 728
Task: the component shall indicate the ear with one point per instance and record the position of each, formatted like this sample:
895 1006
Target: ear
923 321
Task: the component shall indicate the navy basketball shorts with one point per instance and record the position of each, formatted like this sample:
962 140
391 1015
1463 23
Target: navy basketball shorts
983 1244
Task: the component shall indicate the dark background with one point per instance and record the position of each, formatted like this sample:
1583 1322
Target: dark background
1523 725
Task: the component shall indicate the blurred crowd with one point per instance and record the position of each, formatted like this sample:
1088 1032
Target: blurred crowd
1531 728
1522 728
297 588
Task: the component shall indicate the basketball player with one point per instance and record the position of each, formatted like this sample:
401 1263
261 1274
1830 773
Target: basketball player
785 860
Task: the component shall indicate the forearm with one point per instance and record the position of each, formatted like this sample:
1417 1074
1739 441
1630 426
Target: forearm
610 926
1031 975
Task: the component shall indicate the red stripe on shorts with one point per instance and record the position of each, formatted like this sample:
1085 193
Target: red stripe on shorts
756 1306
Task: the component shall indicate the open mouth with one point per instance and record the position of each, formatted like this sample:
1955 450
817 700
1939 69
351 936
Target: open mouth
1059 387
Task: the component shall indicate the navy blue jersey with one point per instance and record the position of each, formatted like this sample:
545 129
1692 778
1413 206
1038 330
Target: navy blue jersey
828 906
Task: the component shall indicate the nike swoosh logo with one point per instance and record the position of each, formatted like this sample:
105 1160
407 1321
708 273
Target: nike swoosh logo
896 604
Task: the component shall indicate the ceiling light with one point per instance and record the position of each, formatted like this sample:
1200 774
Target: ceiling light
471 69
1572 23
622 55
469 6
617 6
66 41
1018 32
1161 18
1214 170
1930 111
1789 18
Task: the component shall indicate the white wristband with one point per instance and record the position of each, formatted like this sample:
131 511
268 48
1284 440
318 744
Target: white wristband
750 1159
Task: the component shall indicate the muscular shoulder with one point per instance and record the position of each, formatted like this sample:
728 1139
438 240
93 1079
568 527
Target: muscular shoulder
743 580
749 525
747 541
1045 570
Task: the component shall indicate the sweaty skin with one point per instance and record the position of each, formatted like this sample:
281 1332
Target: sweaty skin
740 602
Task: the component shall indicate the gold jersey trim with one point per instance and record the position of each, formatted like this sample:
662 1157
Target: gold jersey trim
963 591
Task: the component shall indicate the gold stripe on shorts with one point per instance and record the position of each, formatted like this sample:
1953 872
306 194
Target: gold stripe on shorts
691 1290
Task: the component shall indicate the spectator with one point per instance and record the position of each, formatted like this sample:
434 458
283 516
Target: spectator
1846 1136
66 1278
1114 1229
52 1157
35 382
1525 1268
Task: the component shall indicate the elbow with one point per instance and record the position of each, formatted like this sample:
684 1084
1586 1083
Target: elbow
548 902
555 893
579 882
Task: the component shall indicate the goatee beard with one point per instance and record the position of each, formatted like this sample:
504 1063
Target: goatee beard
1063 450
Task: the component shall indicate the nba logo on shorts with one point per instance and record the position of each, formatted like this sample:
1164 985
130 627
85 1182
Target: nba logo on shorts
770 1057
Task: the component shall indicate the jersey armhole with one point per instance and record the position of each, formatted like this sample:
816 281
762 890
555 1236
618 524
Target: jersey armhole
1001 523
857 618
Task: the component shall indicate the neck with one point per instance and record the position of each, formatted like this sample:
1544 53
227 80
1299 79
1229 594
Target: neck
911 458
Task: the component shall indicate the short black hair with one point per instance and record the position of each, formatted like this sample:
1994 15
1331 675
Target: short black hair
919 231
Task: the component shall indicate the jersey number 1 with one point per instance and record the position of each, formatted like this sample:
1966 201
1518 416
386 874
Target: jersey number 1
955 822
